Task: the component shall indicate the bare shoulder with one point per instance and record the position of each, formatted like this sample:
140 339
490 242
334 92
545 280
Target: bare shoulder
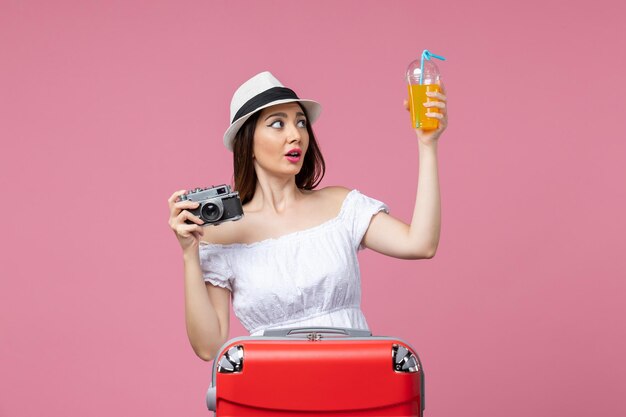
334 193
329 199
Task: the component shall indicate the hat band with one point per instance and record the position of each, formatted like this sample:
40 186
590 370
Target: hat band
266 97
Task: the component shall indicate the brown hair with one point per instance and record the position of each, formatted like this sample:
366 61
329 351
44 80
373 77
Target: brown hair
309 177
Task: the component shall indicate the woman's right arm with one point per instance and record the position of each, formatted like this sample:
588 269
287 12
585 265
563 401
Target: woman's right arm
206 306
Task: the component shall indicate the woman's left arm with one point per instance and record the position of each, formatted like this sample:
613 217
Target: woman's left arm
420 239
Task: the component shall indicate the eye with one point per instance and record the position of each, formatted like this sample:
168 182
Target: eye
277 124
302 123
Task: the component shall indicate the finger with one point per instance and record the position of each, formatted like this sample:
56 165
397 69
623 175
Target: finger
179 206
441 86
435 115
172 201
186 230
438 104
174 197
182 205
185 215
437 95
437 109
198 235
405 103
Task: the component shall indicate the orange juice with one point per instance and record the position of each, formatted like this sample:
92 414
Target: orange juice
417 98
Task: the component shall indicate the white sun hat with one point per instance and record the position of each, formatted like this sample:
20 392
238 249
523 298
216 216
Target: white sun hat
261 91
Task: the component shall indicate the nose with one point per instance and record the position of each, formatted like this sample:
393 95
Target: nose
294 134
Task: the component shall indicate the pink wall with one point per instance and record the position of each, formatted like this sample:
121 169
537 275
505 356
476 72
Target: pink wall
108 107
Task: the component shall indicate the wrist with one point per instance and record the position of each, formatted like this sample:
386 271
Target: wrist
191 254
427 147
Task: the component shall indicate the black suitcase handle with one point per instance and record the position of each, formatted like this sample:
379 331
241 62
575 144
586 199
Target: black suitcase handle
305 331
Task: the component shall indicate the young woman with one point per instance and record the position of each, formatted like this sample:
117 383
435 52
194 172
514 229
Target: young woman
291 261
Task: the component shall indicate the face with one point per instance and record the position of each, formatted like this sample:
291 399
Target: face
280 140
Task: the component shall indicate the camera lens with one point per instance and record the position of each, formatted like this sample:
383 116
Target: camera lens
211 212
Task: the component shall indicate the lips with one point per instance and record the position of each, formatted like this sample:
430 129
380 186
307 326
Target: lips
294 155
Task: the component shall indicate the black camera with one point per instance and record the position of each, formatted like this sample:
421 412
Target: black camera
217 204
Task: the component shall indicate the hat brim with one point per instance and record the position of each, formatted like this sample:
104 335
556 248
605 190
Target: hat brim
313 110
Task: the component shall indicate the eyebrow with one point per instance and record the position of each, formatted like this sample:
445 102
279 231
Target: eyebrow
283 115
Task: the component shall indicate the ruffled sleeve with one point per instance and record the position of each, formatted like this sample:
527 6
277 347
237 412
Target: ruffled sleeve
215 267
357 212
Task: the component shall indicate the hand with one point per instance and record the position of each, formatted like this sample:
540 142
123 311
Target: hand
429 137
188 234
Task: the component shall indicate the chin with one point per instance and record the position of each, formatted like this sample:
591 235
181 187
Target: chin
293 171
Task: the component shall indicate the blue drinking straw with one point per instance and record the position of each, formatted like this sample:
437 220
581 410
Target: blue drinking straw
427 55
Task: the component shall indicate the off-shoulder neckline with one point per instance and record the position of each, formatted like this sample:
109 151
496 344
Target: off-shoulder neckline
287 236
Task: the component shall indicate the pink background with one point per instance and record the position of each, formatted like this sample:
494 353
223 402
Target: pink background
108 107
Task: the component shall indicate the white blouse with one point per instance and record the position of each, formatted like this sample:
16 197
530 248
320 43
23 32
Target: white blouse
305 278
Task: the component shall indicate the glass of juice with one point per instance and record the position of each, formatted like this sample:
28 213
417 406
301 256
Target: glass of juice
418 85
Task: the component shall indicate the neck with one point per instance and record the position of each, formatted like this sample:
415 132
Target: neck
274 194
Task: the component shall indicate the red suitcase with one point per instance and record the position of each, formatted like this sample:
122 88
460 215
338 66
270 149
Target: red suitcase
316 371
